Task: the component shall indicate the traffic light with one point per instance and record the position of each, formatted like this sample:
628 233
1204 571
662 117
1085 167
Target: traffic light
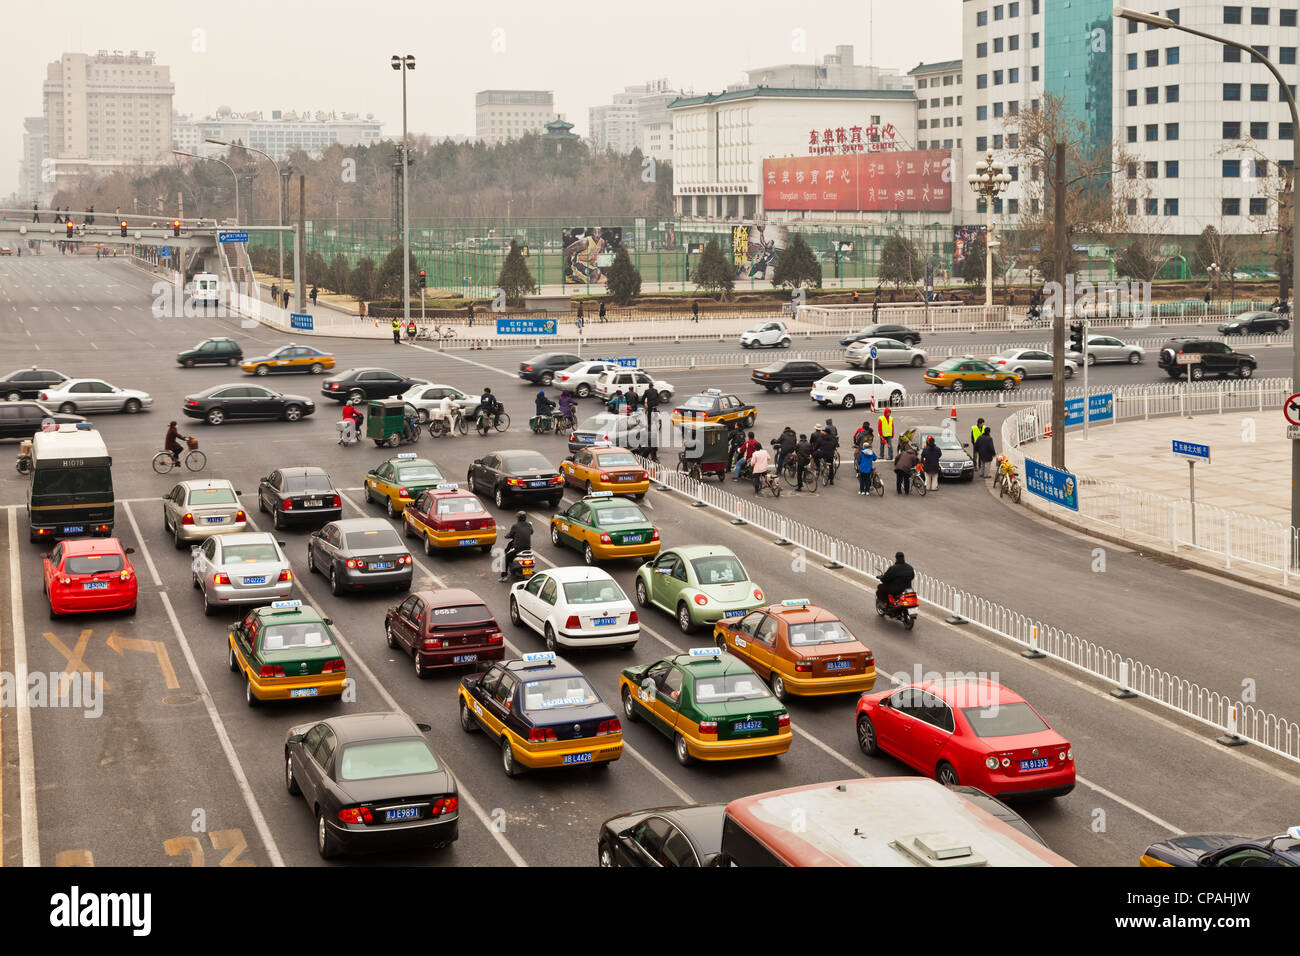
1076 336
123 225
421 278
176 227
67 223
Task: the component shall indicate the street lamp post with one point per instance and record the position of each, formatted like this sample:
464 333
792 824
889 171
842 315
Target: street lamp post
180 152
1213 270
1164 23
988 181
405 64
279 191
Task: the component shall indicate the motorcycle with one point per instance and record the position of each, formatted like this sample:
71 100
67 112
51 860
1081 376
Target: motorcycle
905 607
522 565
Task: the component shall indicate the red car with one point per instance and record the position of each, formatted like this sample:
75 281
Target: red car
444 628
90 574
971 732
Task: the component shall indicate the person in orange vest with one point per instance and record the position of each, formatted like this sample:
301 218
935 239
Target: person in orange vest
885 429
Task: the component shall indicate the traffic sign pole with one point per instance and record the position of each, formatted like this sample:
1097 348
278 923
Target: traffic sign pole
1087 399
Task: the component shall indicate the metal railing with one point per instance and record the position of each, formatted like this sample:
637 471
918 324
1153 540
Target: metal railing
1236 720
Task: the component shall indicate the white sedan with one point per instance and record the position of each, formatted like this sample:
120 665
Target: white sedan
427 398
847 389
575 606
580 377
76 395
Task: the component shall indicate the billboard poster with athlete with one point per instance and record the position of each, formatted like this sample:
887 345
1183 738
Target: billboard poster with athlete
963 238
755 250
589 252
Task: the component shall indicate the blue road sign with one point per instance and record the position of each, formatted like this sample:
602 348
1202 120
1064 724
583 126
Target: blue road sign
527 327
1101 408
164 252
301 320
232 237
1191 450
874 353
1059 487
624 362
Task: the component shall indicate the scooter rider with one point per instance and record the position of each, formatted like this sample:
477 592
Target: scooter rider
520 538
352 416
488 405
896 579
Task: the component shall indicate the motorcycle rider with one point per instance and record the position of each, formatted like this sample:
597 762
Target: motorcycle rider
896 579
746 452
543 406
735 438
488 405
520 538
351 415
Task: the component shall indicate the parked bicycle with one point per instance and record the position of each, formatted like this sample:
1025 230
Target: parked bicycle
1008 480
193 459
432 333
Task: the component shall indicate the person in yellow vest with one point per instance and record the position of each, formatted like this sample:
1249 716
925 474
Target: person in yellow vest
397 332
885 429
979 428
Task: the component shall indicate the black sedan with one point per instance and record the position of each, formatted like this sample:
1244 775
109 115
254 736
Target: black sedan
216 351
358 385
786 376
664 836
23 419
359 553
374 783
541 368
516 475
1225 850
222 403
884 331
29 382
1256 323
301 495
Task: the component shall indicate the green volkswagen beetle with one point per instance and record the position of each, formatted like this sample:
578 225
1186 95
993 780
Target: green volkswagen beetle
286 651
604 527
698 584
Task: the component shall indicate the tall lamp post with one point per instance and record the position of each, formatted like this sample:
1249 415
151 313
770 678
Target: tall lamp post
180 152
988 181
405 64
279 192
1164 23
1213 271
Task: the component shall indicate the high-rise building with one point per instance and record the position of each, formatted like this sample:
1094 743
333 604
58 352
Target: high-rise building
503 115
638 118
31 184
284 132
109 109
837 71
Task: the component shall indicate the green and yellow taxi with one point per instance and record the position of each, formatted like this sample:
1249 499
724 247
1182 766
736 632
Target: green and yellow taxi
448 516
712 405
398 481
710 704
958 374
289 358
605 467
541 712
286 652
604 527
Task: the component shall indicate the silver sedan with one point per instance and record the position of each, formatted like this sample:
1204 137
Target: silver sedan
888 352
427 398
78 395
1106 348
1028 363
197 510
249 568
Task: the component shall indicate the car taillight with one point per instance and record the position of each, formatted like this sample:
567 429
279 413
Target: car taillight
803 667
572 621
609 727
557 480
433 643
496 637
541 734
338 502
192 403
188 518
65 580
869 660
271 670
240 516
401 493
101 527
126 574
708 726
633 619
783 720
444 805
286 575
701 600
356 815
404 559
605 538
654 535
758 595
514 481
604 477
488 523
353 563
528 368
44 397
287 504
333 666
333 386
640 476
221 579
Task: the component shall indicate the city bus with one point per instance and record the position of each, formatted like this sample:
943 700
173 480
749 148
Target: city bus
71 490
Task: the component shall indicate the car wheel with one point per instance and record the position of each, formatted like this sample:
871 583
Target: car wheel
778 686
1069 372
262 370
466 719
508 759
428 545
1092 359
231 661
188 363
499 496
1197 373
406 529
629 710
1245 371
555 536
356 397
391 637
13 397
292 413
683 752
588 555
665 397
334 582
132 406
784 343
1019 371
514 613
249 696
277 520
642 596
749 420
849 402
208 608
290 783
547 379
176 537
216 416
605 856
316 368
67 408
957 385
326 842
550 638
1135 358
917 361
232 362
895 398
867 736
389 507
684 618
261 504
1009 383
583 390
420 671
946 775
785 388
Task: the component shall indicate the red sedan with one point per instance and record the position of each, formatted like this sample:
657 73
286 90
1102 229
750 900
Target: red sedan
972 732
90 574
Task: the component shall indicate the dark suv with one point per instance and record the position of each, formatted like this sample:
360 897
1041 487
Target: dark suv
883 331
1216 359
542 368
358 385
789 375
219 351
1256 323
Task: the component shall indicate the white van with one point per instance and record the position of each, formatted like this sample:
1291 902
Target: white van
204 288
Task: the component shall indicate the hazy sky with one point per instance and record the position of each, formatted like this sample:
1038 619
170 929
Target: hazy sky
333 54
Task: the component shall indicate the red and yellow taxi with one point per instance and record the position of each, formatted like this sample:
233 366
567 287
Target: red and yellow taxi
605 467
447 516
712 405
800 648
289 358
959 374
88 575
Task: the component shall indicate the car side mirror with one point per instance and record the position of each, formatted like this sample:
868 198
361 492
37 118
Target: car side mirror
424 728
295 739
884 702
329 621
283 544
194 550
129 550
477 461
238 492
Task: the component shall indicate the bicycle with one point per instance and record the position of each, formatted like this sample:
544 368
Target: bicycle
439 426
771 483
877 484
917 480
194 460
810 473
501 424
1008 480
432 333
563 425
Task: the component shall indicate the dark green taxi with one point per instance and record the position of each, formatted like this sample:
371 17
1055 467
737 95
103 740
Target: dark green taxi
710 704
399 481
285 652
603 526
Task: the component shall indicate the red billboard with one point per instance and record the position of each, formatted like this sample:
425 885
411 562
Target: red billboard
915 181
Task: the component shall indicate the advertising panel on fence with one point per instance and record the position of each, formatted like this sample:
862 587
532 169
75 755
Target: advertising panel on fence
527 326
1058 487
1101 408
588 252
755 249
301 320
917 180
963 238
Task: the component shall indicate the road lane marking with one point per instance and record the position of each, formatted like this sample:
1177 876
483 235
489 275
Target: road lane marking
1131 806
223 737
461 358
26 756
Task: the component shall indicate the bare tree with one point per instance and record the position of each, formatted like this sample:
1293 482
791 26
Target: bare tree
1276 188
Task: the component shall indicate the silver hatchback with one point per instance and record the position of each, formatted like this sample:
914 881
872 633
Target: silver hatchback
197 510
234 569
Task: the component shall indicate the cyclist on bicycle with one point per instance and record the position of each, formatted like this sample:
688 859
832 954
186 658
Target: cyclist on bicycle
824 446
489 406
173 442
543 406
760 462
566 404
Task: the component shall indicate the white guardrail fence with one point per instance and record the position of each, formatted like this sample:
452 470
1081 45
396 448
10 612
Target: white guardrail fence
1130 677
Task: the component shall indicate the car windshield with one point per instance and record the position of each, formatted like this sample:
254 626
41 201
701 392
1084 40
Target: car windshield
249 554
458 506
387 758
617 460
819 632
621 514
374 538
459 616
700 402
212 496
729 687
944 439
592 592
571 691
419 473
1004 720
719 569
297 484
93 564
526 462
289 637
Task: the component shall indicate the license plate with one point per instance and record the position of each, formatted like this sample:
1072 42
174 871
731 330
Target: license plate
74 529
304 692
586 440
312 503
259 579
1040 763
743 725
468 541
633 538
626 477
839 665
405 813
95 585
577 758
380 565
214 520
733 613
602 621
464 658
537 484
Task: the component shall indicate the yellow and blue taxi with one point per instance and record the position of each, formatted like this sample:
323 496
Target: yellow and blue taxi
286 652
958 374
398 481
604 528
712 405
290 358
448 517
541 712
1224 850
602 466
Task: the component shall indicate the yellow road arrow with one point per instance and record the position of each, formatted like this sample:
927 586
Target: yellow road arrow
157 648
